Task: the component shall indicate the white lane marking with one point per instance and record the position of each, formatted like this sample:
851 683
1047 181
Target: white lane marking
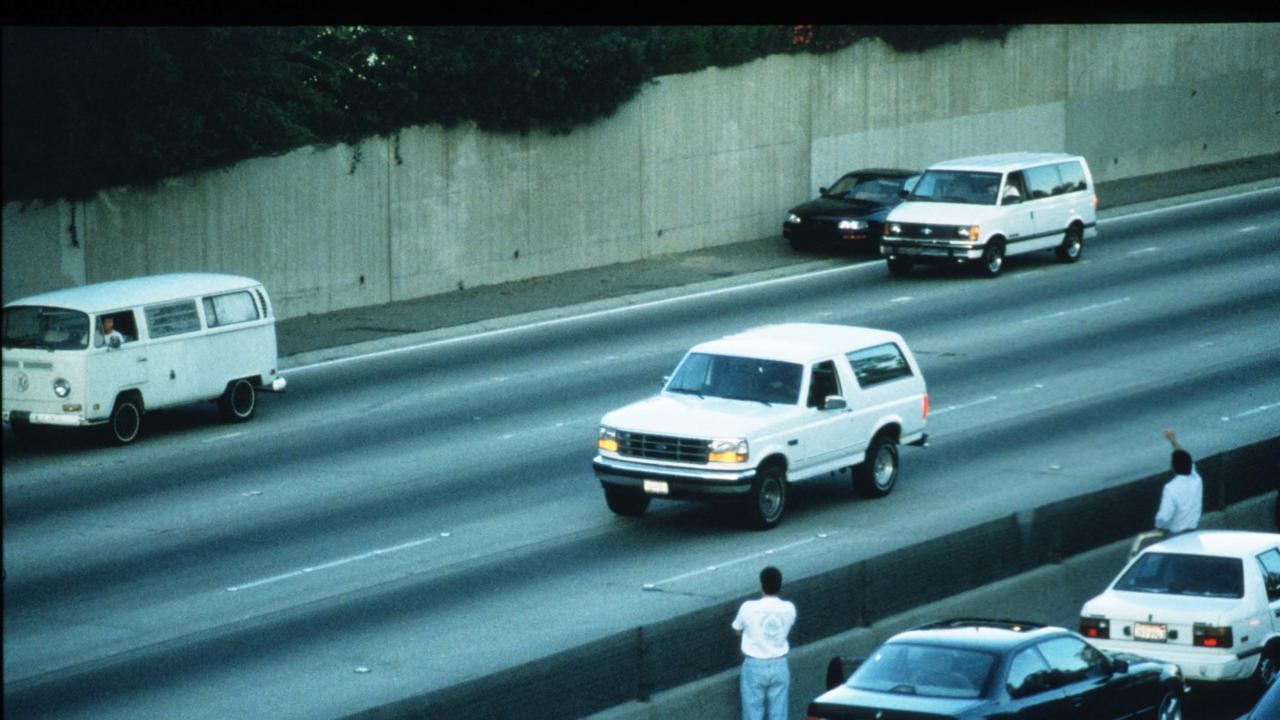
1142 251
337 563
1086 308
1253 411
949 408
730 563
703 294
228 436
1249 229
905 298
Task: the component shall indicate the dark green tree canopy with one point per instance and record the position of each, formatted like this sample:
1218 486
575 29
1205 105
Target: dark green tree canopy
89 108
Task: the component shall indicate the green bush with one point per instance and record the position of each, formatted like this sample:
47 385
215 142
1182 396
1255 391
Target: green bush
90 108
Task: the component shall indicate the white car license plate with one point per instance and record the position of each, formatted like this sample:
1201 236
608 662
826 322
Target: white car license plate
1150 633
656 487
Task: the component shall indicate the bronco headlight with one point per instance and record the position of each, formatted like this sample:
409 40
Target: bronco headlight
607 439
732 450
852 225
61 387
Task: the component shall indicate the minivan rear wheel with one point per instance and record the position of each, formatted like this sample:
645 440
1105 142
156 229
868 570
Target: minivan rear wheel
1072 245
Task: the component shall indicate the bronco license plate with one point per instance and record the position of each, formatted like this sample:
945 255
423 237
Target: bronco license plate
657 487
1150 633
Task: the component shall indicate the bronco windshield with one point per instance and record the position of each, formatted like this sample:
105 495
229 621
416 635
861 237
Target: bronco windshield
738 378
46 328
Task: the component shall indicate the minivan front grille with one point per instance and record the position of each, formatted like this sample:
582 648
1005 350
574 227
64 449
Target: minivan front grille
930 232
663 447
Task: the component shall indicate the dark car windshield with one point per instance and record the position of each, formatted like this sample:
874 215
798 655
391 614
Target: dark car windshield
932 670
1176 574
738 378
48 328
870 188
955 186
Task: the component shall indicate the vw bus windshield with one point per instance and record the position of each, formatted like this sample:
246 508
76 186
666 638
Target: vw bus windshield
45 328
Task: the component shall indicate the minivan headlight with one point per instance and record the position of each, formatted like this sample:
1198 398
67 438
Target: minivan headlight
971 233
893 229
61 387
607 439
727 450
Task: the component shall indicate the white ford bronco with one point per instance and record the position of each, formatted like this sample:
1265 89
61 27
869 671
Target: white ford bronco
747 414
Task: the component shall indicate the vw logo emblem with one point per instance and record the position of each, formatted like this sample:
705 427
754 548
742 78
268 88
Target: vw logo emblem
21 382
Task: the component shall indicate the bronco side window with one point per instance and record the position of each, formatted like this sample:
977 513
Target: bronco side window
823 382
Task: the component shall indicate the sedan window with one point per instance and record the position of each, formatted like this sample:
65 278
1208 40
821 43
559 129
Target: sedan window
1072 660
936 671
1028 674
1177 574
871 188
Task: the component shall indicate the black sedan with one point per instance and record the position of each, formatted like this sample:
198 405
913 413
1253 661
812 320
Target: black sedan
850 213
966 669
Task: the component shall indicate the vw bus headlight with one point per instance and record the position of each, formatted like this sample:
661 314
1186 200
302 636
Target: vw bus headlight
61 387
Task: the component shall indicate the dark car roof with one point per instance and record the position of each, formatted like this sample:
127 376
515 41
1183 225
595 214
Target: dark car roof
888 172
989 635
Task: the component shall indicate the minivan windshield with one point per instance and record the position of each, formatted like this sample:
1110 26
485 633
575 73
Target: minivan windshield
957 186
738 378
1179 574
46 328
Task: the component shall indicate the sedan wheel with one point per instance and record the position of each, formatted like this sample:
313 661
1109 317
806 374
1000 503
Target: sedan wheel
1170 708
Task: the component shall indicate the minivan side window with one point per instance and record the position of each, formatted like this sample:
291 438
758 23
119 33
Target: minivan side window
875 365
173 318
229 309
1072 177
1042 181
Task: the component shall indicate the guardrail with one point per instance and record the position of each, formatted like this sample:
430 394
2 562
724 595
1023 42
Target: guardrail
635 664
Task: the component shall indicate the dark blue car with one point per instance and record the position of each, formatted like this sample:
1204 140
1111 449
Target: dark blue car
968 669
850 213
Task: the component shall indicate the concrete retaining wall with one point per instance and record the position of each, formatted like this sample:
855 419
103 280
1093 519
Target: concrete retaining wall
695 160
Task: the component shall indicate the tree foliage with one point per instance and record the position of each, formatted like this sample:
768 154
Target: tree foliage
88 108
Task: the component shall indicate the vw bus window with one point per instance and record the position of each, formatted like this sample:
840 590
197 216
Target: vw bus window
230 309
46 328
172 319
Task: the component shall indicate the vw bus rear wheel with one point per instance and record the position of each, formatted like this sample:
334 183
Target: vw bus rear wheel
238 401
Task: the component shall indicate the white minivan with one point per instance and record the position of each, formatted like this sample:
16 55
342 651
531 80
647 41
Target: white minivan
980 209
103 354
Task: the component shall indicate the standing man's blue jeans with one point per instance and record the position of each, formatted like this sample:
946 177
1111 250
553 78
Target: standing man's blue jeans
764 687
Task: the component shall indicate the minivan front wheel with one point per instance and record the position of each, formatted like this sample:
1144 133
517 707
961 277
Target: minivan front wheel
238 401
992 259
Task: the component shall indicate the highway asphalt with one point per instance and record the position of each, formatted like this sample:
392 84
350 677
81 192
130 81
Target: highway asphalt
319 337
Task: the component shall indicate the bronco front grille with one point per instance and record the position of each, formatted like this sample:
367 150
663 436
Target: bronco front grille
663 447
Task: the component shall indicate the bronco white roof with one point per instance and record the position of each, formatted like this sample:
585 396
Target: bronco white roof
117 294
1003 162
797 342
1224 543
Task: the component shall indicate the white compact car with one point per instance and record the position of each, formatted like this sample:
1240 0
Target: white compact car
748 414
980 209
1208 601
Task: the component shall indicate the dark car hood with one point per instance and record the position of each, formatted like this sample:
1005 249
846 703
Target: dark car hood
831 207
844 702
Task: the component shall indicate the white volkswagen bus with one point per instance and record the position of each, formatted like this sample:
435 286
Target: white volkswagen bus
103 354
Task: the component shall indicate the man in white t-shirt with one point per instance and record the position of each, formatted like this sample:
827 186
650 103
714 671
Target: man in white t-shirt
764 625
1183 496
